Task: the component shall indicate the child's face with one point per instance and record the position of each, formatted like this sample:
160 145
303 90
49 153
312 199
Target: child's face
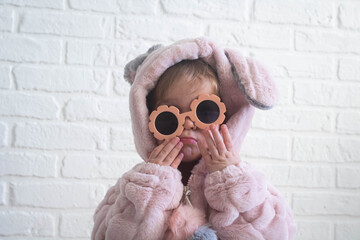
178 95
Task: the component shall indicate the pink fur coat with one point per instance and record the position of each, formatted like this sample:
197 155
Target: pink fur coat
237 202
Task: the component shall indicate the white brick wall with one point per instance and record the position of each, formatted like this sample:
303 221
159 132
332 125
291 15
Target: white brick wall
65 132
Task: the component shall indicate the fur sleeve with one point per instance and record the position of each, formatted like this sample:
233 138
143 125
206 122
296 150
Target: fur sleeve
245 206
138 205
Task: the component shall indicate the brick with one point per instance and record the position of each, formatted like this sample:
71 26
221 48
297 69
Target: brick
349 15
313 230
311 177
36 165
59 136
236 10
63 24
299 176
115 167
350 150
6 20
155 29
98 167
148 7
121 86
284 86
80 109
316 149
322 203
28 49
274 37
27 224
75 225
124 52
50 194
61 79
307 12
86 53
5 81
298 66
270 147
4 132
327 94
111 6
55 4
87 163
348 122
28 105
330 41
276 174
3 193
122 139
348 177
349 69
293 119
347 231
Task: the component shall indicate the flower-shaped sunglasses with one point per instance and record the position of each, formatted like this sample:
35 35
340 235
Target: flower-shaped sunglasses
167 122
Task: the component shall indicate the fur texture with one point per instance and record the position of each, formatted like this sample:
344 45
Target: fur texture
184 221
237 202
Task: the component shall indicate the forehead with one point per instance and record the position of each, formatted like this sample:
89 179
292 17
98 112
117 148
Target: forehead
181 95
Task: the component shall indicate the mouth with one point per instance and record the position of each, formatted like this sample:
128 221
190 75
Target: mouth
188 140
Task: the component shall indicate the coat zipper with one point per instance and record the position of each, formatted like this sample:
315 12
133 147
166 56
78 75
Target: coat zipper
187 193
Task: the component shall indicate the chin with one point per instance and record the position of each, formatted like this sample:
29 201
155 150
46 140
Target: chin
191 153
191 157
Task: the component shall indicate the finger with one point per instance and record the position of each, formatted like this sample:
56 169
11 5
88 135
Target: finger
218 139
226 136
204 150
167 148
210 143
175 164
157 150
173 153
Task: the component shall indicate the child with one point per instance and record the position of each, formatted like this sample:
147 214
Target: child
193 185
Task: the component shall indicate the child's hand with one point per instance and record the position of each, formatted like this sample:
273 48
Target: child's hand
217 149
167 153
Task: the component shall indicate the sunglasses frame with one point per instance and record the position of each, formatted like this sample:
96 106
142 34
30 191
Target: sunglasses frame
182 116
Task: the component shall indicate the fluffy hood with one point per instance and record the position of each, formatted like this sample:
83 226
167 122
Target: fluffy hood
244 84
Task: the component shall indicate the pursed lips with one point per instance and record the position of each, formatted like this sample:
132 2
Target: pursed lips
188 140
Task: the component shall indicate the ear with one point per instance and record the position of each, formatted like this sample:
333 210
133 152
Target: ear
253 79
131 67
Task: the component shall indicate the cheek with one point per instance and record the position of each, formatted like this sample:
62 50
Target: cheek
201 137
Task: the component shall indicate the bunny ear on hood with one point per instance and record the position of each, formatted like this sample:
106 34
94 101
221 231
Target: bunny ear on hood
253 79
244 84
131 67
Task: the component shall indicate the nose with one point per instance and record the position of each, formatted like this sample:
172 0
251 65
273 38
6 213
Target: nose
189 124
